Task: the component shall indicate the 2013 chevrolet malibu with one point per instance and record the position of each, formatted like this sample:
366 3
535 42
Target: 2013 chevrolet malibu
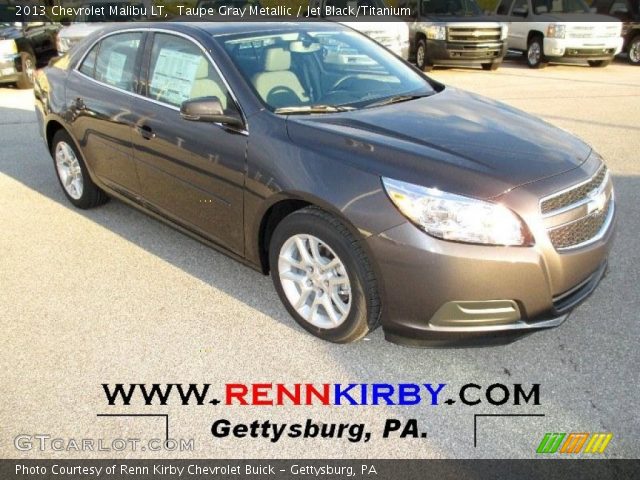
371 193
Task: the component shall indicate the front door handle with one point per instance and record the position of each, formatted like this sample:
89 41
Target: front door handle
79 104
146 132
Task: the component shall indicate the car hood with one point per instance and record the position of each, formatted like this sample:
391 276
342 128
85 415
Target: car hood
454 140
81 30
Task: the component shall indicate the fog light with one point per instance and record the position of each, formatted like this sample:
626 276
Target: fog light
476 314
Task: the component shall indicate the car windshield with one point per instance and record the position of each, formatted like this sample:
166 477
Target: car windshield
111 12
456 8
560 6
322 71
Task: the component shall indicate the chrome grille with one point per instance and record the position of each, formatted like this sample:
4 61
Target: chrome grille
581 214
580 231
474 34
575 195
593 31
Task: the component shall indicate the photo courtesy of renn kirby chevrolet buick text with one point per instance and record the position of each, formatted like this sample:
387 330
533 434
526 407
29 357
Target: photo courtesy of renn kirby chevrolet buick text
372 194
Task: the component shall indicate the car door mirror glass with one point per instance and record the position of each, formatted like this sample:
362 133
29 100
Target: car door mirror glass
208 109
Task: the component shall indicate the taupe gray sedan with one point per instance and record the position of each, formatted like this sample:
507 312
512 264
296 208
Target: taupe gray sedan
373 195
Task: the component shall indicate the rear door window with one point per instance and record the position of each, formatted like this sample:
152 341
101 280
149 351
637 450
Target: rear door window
115 61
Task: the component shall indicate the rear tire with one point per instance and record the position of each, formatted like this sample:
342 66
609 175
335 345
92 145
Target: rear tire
599 63
634 50
421 56
28 63
72 173
338 304
535 53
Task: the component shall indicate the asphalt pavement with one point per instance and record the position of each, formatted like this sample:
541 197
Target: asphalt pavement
112 296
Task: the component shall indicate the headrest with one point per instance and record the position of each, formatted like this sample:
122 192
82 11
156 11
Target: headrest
203 69
302 47
277 59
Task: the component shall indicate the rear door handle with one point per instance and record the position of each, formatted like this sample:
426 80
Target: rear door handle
146 132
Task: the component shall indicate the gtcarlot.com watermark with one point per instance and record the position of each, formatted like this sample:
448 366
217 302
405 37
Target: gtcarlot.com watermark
44 442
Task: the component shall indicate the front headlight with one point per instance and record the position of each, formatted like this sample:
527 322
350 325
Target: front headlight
504 32
556 30
457 218
8 47
437 32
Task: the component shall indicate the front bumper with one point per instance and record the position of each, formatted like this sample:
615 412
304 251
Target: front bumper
10 68
440 293
592 48
443 52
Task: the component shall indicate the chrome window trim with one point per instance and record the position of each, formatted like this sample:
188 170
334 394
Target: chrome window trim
76 69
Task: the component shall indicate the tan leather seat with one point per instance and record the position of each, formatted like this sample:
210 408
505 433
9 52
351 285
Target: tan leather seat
277 84
205 86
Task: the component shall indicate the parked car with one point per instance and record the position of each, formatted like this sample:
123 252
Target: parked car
547 31
24 46
371 193
627 11
85 24
391 34
454 33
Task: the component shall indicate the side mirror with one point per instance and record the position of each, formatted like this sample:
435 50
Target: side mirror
519 12
208 109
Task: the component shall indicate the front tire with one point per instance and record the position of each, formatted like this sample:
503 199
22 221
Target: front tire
28 63
72 173
599 63
634 50
323 276
535 53
421 56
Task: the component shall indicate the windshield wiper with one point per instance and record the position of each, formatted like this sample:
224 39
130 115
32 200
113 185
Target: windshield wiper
305 109
397 99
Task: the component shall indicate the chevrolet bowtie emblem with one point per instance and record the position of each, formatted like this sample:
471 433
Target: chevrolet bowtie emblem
597 201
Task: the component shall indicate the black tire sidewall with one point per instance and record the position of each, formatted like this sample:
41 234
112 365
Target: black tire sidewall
422 44
301 223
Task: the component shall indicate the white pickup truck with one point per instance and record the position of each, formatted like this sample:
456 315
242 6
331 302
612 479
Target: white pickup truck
392 33
551 30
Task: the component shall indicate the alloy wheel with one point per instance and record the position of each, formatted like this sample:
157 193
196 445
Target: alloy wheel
315 281
420 55
29 69
534 54
634 51
69 171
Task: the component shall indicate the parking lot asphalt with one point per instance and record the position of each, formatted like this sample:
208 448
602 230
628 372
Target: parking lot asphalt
112 296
